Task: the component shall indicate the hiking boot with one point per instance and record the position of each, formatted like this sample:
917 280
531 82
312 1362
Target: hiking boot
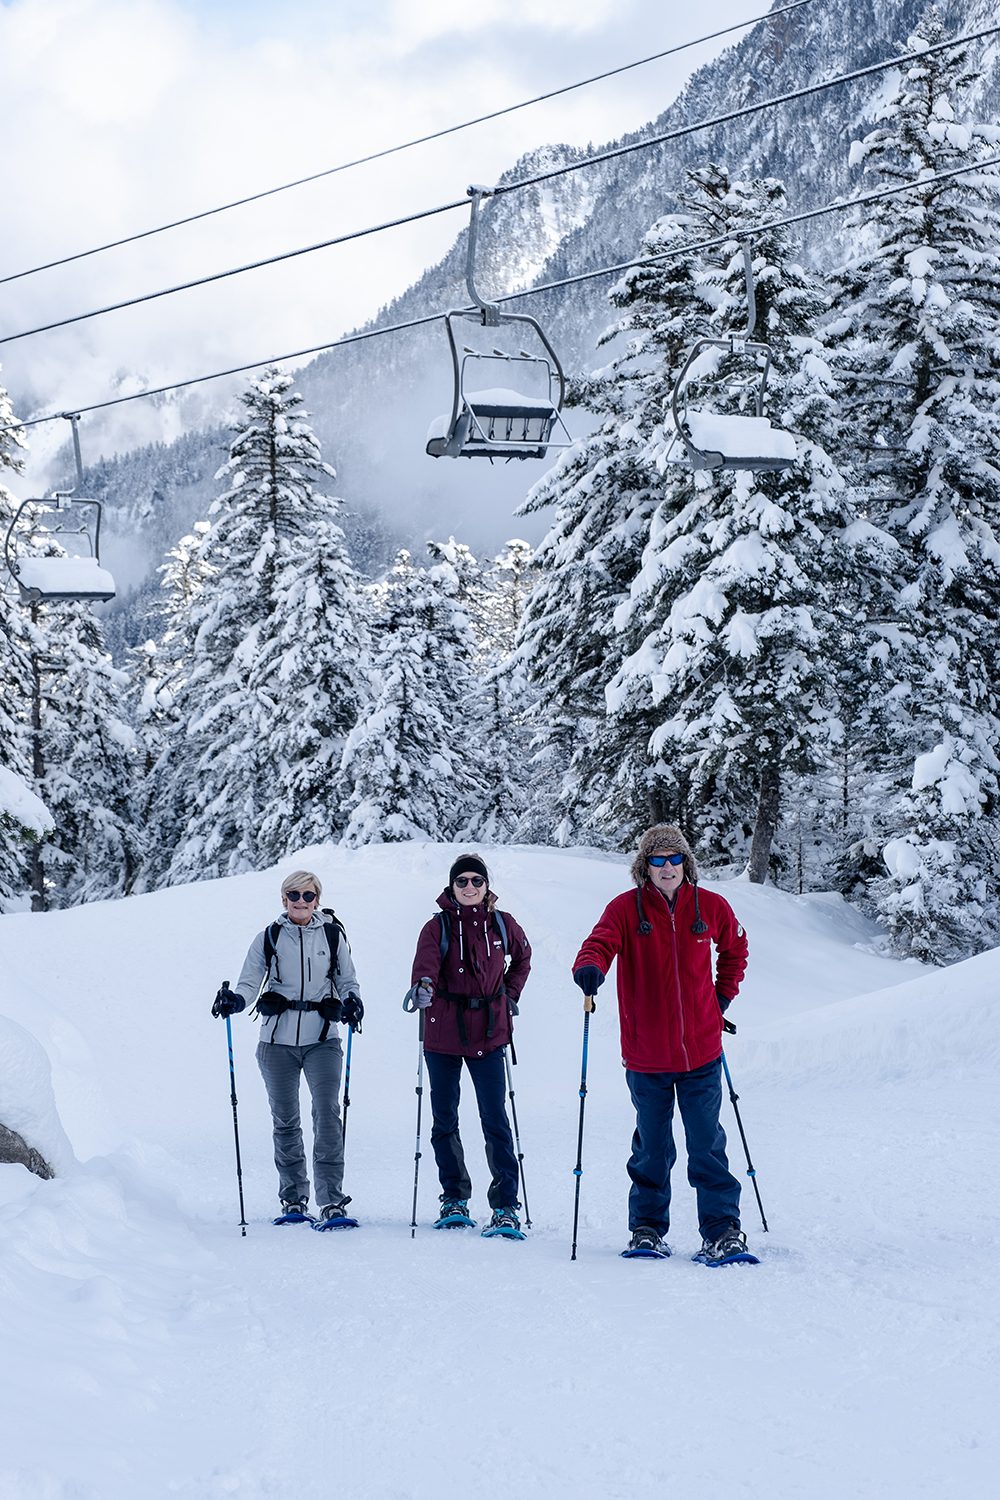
295 1206
454 1208
648 1239
729 1244
334 1211
505 1220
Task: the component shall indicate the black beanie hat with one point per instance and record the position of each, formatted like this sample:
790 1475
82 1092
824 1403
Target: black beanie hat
468 864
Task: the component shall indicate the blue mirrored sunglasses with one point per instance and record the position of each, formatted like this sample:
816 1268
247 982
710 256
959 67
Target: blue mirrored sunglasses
306 896
659 860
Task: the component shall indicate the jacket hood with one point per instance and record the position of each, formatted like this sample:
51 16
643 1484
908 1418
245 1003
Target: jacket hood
662 836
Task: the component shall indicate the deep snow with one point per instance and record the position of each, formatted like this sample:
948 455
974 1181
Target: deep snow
151 1351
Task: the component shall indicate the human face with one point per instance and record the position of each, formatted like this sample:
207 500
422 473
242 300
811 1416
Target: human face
301 911
469 894
667 878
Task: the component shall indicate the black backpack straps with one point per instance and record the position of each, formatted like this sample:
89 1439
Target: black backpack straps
502 927
445 934
271 950
333 928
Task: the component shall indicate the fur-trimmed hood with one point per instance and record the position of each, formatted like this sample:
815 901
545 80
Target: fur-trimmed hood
663 837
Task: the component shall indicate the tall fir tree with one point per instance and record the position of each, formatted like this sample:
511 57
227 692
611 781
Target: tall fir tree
916 338
605 489
277 664
412 758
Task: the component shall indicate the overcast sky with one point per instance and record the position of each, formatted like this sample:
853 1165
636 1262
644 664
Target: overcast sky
122 114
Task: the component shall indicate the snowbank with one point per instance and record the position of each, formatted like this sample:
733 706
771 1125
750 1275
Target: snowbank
27 1103
946 1020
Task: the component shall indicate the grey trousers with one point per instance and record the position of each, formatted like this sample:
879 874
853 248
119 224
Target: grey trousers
282 1069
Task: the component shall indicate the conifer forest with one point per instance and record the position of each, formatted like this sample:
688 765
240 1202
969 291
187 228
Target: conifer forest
798 666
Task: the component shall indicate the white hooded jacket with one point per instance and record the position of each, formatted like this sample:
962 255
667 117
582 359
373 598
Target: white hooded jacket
300 970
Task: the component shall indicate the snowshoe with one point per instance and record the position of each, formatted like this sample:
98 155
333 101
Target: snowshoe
504 1223
335 1216
646 1244
730 1249
294 1213
455 1215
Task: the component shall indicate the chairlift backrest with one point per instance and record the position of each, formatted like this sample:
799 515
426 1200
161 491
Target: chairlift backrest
497 421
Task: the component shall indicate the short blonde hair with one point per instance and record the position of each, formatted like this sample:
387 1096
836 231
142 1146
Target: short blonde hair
302 880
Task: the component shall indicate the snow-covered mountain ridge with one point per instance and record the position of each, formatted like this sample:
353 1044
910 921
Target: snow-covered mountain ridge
154 1352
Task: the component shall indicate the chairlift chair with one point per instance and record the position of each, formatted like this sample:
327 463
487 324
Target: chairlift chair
498 421
715 440
57 579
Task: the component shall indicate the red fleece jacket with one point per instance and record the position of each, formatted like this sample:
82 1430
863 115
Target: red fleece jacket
670 1017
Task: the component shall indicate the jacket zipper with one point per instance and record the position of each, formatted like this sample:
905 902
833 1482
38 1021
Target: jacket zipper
302 986
677 982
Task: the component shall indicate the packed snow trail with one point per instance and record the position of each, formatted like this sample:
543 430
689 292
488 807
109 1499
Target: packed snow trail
153 1352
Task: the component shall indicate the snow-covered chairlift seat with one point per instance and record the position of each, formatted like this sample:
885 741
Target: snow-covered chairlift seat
497 423
733 442
61 578
57 579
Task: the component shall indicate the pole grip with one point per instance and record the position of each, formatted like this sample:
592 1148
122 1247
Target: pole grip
590 1003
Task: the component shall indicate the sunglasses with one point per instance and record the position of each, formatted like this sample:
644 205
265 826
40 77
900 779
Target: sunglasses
659 860
306 896
463 880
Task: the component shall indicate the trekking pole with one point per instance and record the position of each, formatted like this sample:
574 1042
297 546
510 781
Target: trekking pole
751 1169
236 1123
517 1138
420 1100
588 1007
347 1083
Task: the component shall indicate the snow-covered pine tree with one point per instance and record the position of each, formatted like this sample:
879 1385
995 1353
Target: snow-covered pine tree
15 689
605 489
413 757
733 625
277 668
916 339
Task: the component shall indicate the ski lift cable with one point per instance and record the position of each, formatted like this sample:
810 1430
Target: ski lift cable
615 153
403 146
840 205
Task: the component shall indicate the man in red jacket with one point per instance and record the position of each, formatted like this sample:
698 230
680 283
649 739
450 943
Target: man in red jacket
670 1007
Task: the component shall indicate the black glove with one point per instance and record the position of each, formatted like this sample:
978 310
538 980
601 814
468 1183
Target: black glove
227 1002
725 1001
589 978
352 1012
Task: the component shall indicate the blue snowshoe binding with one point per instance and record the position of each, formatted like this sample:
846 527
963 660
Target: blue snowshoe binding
455 1214
335 1216
730 1249
646 1244
504 1223
294 1213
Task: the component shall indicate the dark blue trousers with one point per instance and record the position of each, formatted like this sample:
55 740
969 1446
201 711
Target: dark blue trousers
699 1098
444 1070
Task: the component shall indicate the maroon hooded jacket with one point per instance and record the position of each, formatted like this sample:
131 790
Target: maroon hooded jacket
670 1017
473 968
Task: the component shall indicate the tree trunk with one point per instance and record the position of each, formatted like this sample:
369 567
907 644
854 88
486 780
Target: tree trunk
36 863
768 812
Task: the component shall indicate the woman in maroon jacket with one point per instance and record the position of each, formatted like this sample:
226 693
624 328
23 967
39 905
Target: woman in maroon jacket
670 1008
469 970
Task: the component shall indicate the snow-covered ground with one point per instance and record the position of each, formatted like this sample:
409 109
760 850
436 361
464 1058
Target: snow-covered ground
151 1351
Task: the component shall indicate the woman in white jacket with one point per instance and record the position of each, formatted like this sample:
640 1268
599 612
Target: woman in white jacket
301 974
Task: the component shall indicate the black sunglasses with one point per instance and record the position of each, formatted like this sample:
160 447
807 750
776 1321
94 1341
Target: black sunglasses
302 896
659 860
463 880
